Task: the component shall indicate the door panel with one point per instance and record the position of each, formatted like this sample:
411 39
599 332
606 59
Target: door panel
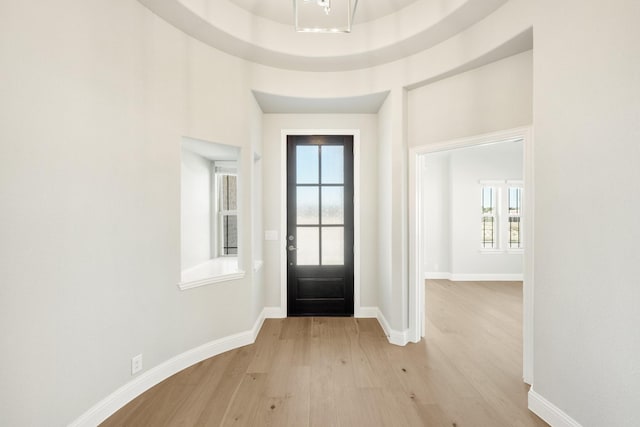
320 225
311 288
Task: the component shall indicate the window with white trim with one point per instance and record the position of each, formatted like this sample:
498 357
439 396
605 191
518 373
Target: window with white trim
514 212
227 199
489 218
501 215
209 210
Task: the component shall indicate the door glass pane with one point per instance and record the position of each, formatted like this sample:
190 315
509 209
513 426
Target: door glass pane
307 164
308 244
332 205
332 245
307 205
332 164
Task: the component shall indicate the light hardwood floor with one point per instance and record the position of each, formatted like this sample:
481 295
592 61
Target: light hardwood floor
343 372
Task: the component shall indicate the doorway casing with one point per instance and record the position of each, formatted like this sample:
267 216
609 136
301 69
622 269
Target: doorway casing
416 233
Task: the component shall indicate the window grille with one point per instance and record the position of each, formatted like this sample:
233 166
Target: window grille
228 213
515 212
489 218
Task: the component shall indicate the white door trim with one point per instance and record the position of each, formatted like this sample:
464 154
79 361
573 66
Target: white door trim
416 256
357 311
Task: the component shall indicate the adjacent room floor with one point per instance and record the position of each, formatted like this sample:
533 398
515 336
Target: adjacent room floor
343 372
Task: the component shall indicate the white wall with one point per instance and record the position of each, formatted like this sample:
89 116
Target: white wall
468 166
452 222
491 98
96 97
195 209
385 194
392 208
257 202
273 124
587 258
437 213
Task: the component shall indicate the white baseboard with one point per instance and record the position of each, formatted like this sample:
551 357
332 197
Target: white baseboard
362 313
274 313
400 338
461 277
437 275
486 277
116 400
366 313
549 412
257 325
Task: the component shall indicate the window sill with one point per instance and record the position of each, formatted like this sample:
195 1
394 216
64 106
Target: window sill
491 251
501 251
213 271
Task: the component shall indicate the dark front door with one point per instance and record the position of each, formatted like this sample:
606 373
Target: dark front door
320 225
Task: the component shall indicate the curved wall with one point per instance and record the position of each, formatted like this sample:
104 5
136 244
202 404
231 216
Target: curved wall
95 100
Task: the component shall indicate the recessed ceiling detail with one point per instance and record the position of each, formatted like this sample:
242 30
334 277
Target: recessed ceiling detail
277 104
263 31
324 16
281 11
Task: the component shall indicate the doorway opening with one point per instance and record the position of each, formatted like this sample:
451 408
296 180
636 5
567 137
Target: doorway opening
503 229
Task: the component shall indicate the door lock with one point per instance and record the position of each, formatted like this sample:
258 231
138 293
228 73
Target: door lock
292 248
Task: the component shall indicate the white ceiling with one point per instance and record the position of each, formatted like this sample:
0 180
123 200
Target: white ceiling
282 10
262 31
365 104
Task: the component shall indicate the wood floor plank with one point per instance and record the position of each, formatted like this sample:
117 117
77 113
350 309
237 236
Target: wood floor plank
325 372
322 397
357 407
266 346
223 393
245 408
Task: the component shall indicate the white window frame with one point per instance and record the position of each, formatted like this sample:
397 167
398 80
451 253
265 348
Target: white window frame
218 228
501 224
495 215
509 185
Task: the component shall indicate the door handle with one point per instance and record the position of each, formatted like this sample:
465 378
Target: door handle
292 248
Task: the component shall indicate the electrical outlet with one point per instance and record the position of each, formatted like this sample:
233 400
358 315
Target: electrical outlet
136 364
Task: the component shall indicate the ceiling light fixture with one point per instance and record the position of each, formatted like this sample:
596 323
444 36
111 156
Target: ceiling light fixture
325 4
324 16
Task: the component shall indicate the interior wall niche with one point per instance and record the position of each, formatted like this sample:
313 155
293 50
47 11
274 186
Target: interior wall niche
210 185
